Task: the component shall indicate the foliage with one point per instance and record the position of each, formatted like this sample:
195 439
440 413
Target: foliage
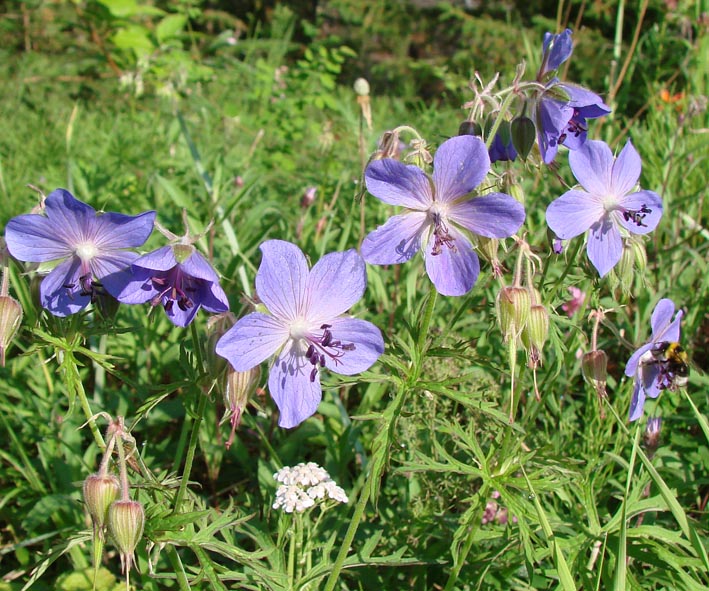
234 122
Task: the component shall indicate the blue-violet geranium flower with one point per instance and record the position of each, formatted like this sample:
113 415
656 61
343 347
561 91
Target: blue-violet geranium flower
561 110
439 213
89 248
178 278
606 206
651 377
306 328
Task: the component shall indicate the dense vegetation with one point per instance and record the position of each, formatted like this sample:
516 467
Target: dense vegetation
247 120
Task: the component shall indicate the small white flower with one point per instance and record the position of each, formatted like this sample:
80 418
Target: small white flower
302 485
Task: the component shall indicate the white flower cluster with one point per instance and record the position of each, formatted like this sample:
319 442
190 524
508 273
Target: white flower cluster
303 485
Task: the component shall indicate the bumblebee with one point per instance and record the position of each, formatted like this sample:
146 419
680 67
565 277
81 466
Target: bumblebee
672 361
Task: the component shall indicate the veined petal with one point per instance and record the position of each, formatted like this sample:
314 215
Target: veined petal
282 278
366 338
72 219
460 164
453 271
636 202
113 270
133 285
162 259
494 215
573 213
604 246
551 117
111 231
626 170
60 291
631 367
672 332
637 403
397 240
197 266
253 339
592 165
395 183
35 238
213 298
335 284
661 318
295 394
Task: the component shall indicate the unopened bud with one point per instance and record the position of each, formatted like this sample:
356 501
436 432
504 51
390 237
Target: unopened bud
594 366
99 493
470 128
125 523
361 87
10 320
652 434
516 192
523 135
513 306
536 330
239 385
308 197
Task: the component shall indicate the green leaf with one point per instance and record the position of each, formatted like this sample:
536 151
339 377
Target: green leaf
170 26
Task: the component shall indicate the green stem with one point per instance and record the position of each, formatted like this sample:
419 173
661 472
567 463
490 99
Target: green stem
86 407
620 572
421 344
177 566
472 530
191 449
498 120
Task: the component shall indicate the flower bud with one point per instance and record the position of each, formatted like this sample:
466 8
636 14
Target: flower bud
238 386
99 493
308 197
516 192
125 523
536 330
361 87
513 306
470 128
217 325
523 135
10 320
594 366
652 434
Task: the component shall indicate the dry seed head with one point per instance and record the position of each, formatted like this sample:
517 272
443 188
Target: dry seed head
513 307
10 320
594 366
125 523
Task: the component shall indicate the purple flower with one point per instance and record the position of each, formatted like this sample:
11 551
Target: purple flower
648 371
305 327
500 151
560 117
439 213
606 206
556 49
179 279
88 247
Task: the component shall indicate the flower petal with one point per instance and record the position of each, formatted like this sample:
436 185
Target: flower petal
604 246
460 164
212 297
592 165
282 278
551 117
637 403
335 284
180 316
631 367
72 219
661 317
366 338
395 183
453 271
573 213
397 240
494 215
198 267
134 285
561 48
295 394
36 239
162 259
112 231
60 291
253 339
637 202
626 170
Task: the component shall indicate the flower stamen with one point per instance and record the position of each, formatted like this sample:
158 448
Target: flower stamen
441 235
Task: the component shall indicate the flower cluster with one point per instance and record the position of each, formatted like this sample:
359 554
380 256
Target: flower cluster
303 485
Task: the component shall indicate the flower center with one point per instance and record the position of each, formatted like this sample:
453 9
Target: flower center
441 234
637 216
321 347
86 251
574 127
174 289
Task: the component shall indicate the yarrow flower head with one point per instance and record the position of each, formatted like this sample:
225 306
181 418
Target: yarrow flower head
606 206
89 248
439 213
647 365
305 327
561 109
303 485
179 279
